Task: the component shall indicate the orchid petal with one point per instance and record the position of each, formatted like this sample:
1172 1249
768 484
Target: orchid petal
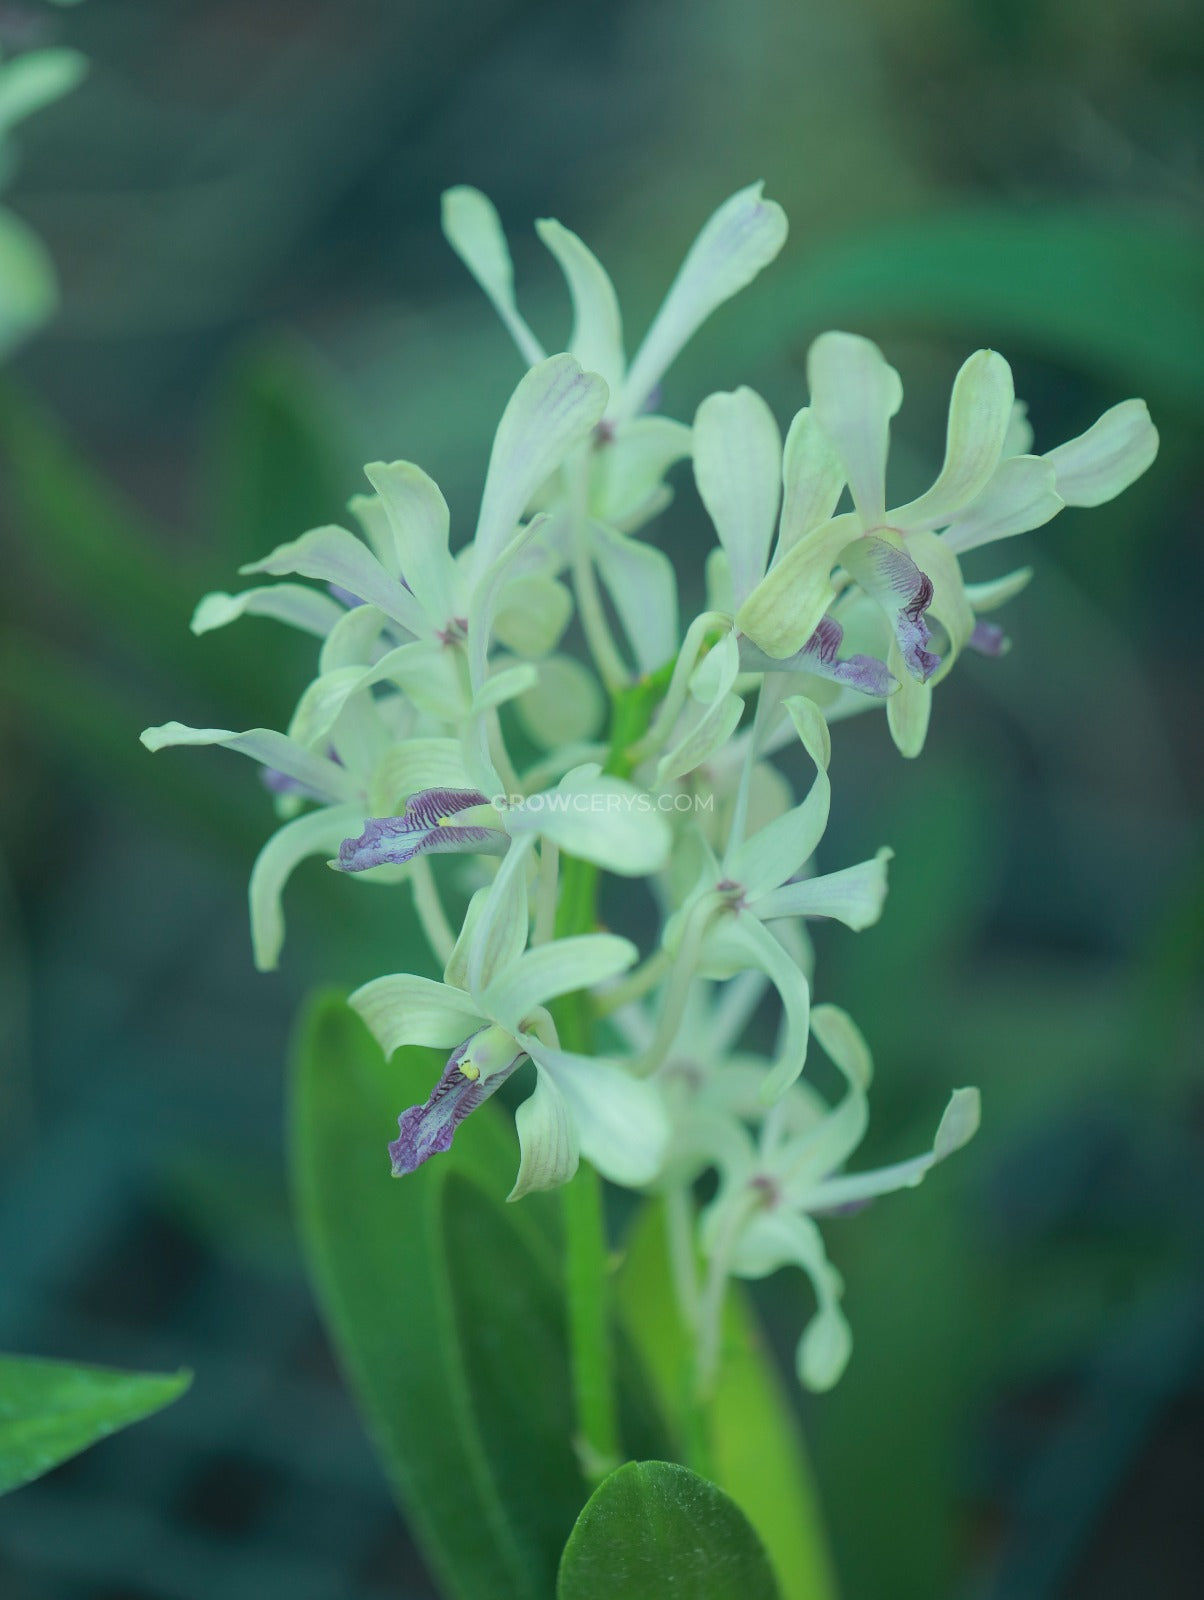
265 745
642 586
854 895
628 468
778 850
426 827
288 602
621 1121
333 555
737 466
958 1126
402 1010
547 1139
551 411
597 341
779 1238
980 409
949 604
908 711
894 582
766 955
820 657
742 237
997 591
420 521
411 766
355 640
788 604
428 1130
601 819
503 921
1111 455
565 706
473 229
854 394
1021 495
532 614
812 478
317 833
549 970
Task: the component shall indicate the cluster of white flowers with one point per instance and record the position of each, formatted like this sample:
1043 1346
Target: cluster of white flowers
430 660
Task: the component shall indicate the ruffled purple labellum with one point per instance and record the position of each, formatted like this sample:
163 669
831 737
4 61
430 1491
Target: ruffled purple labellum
427 1130
424 828
820 656
891 578
989 639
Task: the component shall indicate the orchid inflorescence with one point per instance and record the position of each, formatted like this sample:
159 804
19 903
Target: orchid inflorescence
430 662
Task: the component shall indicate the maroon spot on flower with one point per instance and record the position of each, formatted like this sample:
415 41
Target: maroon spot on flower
427 1130
989 639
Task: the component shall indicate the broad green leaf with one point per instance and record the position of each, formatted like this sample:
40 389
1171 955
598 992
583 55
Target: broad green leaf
654 1529
755 1448
51 1410
444 1307
28 285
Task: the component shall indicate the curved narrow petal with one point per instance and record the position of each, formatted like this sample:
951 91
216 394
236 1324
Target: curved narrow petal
642 586
737 466
778 850
288 602
502 922
356 639
274 750
420 522
980 410
629 465
601 819
779 1238
844 1043
553 410
1021 495
854 895
893 581
597 340
317 833
562 967
957 1127
711 715
1113 452
907 712
998 591
766 955
473 229
621 1121
402 1009
741 238
812 478
854 394
788 604
547 1139
335 556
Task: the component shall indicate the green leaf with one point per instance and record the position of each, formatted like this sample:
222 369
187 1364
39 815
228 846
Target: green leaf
444 1306
755 1450
654 1529
50 1410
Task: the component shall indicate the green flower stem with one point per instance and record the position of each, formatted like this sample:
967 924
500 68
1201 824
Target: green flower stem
587 1249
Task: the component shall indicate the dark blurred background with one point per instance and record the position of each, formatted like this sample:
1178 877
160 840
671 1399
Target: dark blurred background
242 201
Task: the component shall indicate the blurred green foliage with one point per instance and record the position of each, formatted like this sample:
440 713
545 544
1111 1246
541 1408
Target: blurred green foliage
242 202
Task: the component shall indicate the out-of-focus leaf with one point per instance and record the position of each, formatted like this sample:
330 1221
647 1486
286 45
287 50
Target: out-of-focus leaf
51 1410
36 79
1116 294
444 1307
654 1529
756 1450
279 460
28 287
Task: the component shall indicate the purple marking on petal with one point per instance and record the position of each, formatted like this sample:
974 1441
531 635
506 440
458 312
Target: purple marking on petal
849 1208
891 577
422 829
820 657
655 399
277 782
344 596
426 1130
989 639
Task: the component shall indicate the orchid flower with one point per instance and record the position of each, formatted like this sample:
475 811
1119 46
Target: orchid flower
622 485
773 1187
494 1014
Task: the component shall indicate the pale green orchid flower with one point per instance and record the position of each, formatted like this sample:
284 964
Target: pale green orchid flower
773 1187
618 486
899 559
495 1016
